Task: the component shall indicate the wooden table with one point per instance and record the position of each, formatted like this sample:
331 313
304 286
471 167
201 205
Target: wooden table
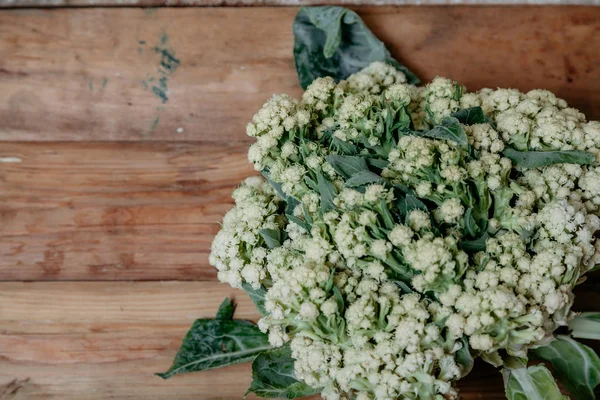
115 169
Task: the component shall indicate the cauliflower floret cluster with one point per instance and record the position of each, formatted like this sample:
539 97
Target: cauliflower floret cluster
401 230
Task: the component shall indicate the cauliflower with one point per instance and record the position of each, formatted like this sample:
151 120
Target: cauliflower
386 250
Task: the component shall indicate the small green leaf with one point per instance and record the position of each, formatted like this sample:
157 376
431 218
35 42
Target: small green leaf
290 205
575 365
347 165
404 288
275 185
378 163
327 191
450 129
533 383
342 147
586 326
471 227
337 294
362 178
226 309
215 343
386 215
257 296
303 224
470 116
537 159
334 41
473 246
272 237
408 203
464 358
311 183
273 376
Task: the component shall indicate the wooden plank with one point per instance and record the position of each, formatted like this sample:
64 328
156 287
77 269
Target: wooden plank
260 3
90 72
105 340
60 340
94 211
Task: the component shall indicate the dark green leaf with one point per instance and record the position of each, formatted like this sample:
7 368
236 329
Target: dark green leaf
339 300
575 365
303 224
214 343
291 204
362 178
404 288
346 148
408 203
327 191
471 227
311 183
226 309
273 376
403 121
533 383
464 358
272 237
347 165
377 163
450 129
473 246
386 215
334 41
537 159
470 116
399 271
257 296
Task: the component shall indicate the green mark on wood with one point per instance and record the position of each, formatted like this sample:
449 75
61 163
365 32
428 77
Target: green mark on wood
149 10
104 82
91 85
160 93
155 123
167 65
167 60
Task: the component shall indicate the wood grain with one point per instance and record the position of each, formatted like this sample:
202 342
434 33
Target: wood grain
108 211
106 340
90 72
260 3
62 340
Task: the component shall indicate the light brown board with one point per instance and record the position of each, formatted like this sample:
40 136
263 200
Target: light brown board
84 211
79 74
257 3
92 341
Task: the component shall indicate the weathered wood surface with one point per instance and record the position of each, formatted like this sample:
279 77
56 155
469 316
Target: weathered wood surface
114 211
101 181
106 340
258 3
90 72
